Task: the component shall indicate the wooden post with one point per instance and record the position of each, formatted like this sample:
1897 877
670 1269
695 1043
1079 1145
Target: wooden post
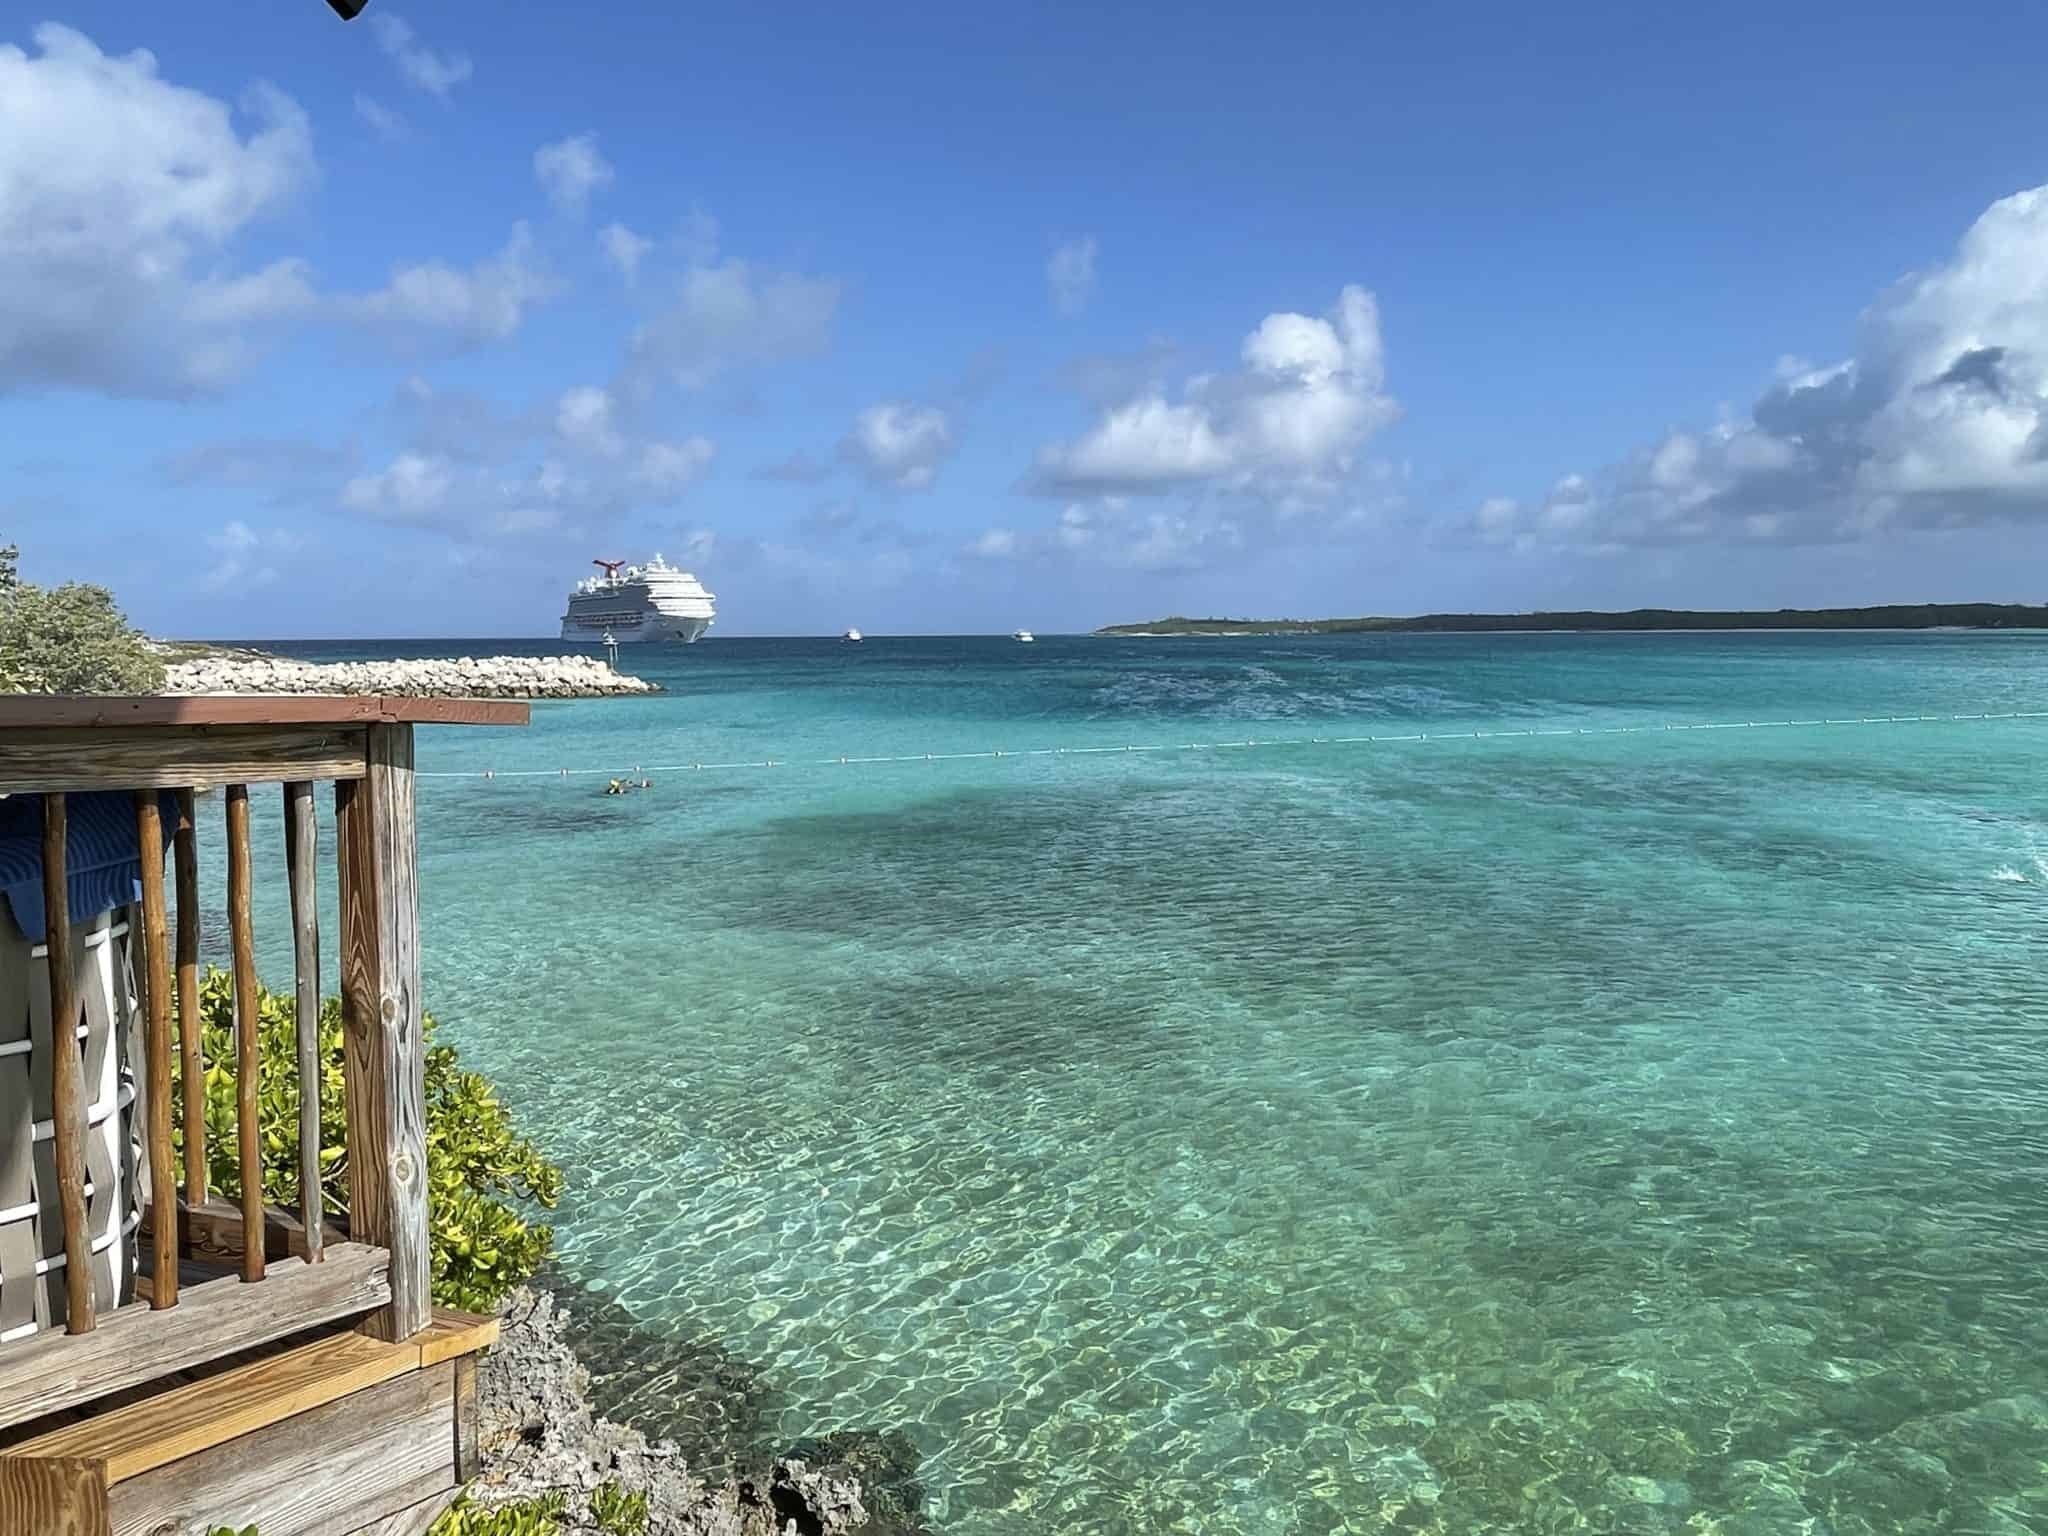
191 1051
156 1065
380 992
67 1073
301 854
248 1058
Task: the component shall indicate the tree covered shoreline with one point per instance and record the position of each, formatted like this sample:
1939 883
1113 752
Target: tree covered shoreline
1888 616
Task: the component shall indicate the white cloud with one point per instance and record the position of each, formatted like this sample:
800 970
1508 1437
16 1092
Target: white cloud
666 470
436 307
723 315
420 66
410 490
478 473
121 196
900 446
1939 417
244 555
1070 274
1310 392
995 544
1144 445
385 123
624 249
1112 532
570 170
584 417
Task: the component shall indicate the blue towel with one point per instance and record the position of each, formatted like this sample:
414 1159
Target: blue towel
102 857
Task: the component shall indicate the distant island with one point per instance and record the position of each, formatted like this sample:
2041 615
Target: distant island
1892 616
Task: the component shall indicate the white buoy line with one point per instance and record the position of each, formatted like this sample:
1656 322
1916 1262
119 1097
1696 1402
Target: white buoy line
1373 739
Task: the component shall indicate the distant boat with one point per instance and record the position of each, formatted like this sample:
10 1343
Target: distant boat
1023 637
851 637
631 603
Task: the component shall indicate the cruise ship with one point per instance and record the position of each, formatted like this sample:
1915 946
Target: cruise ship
630 603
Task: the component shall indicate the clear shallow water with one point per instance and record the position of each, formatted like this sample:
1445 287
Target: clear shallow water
1638 1133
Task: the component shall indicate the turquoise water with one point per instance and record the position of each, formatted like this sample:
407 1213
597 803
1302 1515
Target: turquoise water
1588 1133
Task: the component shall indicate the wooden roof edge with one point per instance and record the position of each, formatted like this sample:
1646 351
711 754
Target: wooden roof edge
29 712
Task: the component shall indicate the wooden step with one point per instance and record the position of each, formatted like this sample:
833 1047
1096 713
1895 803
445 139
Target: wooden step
185 1420
51 1372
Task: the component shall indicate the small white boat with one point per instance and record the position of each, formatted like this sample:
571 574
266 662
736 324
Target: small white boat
851 637
1023 637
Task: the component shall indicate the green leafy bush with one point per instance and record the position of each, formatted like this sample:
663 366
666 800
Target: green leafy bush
617 1512
69 639
476 1160
529 1517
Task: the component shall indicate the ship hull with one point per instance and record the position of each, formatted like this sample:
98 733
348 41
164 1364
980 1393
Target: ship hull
638 605
644 628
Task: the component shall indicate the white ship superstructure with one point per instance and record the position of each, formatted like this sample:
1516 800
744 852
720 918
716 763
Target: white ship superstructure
632 603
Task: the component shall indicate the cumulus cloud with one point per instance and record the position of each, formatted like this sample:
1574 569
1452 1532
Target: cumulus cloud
584 417
244 557
666 470
1938 418
570 171
121 197
1310 390
412 489
478 473
624 249
418 65
434 307
1070 274
899 446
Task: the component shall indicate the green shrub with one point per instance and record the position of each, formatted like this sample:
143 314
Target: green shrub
617 1512
529 1517
69 639
476 1159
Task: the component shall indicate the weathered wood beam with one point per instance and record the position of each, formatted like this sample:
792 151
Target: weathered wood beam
176 756
25 712
156 1064
248 1055
53 1497
191 1049
134 1344
326 1472
386 1055
468 1441
211 1233
155 1429
301 854
67 1073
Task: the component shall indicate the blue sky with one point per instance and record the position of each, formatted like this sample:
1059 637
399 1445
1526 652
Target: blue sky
928 319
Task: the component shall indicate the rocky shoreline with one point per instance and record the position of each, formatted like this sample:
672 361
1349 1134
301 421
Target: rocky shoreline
466 677
541 1433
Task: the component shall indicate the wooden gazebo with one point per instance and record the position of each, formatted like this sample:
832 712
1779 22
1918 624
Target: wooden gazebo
241 1364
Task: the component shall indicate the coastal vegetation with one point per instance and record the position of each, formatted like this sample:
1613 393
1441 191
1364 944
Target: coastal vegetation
1889 616
68 639
477 1162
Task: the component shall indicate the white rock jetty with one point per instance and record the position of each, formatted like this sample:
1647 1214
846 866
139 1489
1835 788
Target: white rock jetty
466 677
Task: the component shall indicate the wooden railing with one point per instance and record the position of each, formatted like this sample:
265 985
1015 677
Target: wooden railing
364 746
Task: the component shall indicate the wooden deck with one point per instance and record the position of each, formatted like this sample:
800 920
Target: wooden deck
332 1434
267 1371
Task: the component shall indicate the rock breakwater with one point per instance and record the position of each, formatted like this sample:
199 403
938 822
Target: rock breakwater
466 677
